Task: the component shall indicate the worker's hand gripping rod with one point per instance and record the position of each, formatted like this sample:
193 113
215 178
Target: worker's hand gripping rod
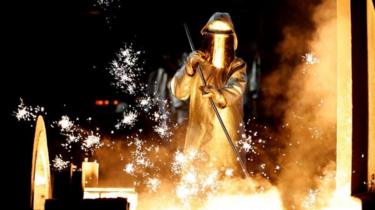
243 167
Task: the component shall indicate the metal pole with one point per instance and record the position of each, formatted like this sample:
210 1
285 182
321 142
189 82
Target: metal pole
215 109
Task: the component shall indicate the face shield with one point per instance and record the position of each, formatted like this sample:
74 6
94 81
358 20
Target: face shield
219 44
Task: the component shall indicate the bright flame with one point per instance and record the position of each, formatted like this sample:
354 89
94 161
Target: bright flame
219 49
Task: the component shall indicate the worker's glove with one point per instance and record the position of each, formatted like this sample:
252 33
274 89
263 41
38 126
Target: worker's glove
214 93
195 58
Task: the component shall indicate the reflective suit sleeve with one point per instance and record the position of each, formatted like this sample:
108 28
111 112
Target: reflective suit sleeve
235 85
181 84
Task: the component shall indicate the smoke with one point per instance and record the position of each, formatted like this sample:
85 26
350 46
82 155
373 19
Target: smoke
302 91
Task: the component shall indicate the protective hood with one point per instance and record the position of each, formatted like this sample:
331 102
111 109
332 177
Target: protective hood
225 18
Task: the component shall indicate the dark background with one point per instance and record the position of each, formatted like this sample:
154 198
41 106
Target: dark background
57 51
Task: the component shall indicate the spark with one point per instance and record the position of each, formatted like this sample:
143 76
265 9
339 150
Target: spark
310 59
65 124
91 142
59 164
129 119
145 103
162 130
311 199
246 143
229 172
129 168
153 184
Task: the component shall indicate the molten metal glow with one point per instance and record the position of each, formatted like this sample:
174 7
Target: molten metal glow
90 173
219 50
269 200
341 201
128 193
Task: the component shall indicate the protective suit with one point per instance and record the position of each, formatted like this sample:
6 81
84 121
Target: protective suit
225 85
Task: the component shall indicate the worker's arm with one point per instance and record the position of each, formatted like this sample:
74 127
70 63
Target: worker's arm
181 82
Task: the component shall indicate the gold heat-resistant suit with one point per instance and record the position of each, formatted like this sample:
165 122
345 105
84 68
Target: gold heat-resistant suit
204 132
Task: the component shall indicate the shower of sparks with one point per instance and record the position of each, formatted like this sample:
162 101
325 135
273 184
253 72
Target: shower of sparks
91 142
310 59
311 199
153 184
109 8
105 4
145 102
59 164
141 164
163 130
28 113
181 160
250 140
65 124
196 185
126 70
128 120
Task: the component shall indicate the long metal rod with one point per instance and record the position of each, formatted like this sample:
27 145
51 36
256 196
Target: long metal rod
239 159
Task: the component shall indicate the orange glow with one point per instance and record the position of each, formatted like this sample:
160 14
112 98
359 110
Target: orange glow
128 193
115 102
90 173
40 176
106 102
341 201
99 102
371 88
269 200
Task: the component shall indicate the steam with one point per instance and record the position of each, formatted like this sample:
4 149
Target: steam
308 110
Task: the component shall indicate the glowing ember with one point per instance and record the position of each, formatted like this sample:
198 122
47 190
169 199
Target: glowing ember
59 164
